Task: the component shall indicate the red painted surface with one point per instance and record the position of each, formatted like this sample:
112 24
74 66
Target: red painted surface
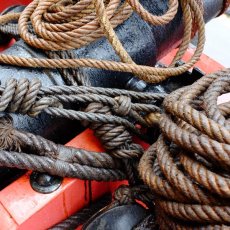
28 209
22 208
205 63
6 3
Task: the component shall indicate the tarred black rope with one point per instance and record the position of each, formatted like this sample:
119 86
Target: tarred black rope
38 154
110 116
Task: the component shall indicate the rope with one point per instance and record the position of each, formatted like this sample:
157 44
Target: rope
188 167
109 113
128 195
70 76
27 97
58 28
123 195
192 186
40 154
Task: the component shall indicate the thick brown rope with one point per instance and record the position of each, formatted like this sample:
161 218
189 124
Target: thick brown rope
188 167
77 32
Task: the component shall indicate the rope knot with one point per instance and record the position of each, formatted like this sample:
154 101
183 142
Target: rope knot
22 97
128 150
115 138
124 195
123 105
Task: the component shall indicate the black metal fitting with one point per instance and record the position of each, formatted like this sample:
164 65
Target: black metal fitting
123 217
44 183
136 84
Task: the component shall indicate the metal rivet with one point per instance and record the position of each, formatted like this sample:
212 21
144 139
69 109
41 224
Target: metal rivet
44 183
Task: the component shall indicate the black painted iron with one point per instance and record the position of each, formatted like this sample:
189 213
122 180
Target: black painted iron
147 49
123 217
143 49
158 40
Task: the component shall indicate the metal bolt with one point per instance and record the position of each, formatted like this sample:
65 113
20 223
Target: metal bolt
136 84
197 72
44 183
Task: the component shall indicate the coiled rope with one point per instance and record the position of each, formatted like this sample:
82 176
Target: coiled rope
58 28
52 25
188 167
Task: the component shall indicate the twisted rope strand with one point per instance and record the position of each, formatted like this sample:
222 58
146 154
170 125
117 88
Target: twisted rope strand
109 117
197 167
53 35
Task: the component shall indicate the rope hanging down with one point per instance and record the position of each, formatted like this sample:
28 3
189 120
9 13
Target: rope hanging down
188 167
58 28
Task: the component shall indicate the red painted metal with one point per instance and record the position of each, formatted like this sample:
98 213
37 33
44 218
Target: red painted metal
206 64
31 210
22 208
6 3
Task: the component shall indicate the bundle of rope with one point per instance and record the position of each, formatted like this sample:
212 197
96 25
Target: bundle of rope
113 113
56 27
62 25
188 167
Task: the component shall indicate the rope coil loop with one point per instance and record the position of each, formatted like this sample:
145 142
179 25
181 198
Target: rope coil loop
56 27
188 167
22 97
153 19
64 30
114 138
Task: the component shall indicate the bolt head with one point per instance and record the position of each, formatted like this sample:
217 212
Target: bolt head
44 183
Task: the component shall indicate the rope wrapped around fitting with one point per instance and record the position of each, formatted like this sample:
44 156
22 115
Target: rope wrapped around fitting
188 167
28 97
128 195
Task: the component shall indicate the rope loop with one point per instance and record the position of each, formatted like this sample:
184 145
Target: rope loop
124 195
153 19
188 167
22 97
123 105
8 141
116 139
65 25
